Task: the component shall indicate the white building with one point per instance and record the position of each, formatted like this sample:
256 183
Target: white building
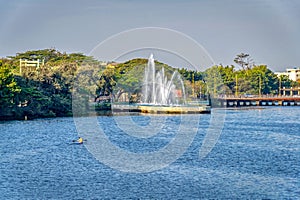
293 74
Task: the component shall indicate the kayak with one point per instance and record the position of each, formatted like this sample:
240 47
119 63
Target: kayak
77 143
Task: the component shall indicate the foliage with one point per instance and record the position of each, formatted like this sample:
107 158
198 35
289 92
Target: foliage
190 75
126 78
47 91
244 60
8 88
258 80
44 91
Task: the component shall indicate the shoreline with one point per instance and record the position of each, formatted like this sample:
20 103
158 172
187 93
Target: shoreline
110 113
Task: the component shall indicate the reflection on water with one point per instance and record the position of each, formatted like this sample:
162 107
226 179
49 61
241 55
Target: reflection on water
257 156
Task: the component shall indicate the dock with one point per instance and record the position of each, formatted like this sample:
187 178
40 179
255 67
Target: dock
256 101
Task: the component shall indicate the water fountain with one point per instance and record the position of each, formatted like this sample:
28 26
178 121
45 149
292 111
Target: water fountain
158 90
164 95
162 92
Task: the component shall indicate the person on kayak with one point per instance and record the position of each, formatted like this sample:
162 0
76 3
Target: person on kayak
80 140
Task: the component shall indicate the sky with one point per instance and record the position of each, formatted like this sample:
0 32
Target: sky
268 30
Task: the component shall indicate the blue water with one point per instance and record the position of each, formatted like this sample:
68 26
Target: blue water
256 157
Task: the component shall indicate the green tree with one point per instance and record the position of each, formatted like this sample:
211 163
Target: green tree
8 87
214 81
244 60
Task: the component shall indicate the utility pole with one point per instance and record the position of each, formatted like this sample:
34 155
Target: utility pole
259 91
200 91
193 82
279 92
215 88
236 86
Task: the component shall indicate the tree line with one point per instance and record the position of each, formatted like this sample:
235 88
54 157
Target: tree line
40 92
46 91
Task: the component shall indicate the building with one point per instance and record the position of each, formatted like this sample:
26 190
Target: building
293 74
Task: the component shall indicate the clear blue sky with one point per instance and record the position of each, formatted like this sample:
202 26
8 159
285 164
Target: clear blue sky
269 30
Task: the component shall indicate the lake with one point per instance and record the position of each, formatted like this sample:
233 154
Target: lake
256 157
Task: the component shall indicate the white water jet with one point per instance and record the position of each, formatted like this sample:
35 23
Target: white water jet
158 90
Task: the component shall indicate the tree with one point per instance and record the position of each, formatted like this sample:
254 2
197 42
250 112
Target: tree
106 82
285 81
8 86
46 91
214 81
244 60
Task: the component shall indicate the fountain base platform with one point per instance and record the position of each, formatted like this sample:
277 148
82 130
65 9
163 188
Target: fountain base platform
162 109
